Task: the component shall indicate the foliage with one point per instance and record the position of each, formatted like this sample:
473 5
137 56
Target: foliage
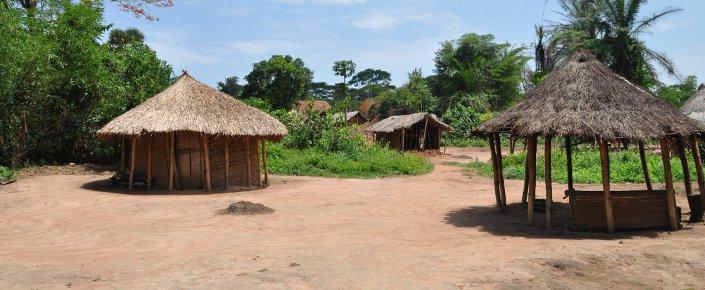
463 119
119 38
322 91
625 167
371 76
258 103
677 94
282 80
414 96
7 174
140 8
476 65
231 87
305 129
368 161
344 68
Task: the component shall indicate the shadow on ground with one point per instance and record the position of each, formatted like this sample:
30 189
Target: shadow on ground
513 223
105 185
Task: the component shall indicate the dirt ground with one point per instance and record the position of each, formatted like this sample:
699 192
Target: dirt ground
439 230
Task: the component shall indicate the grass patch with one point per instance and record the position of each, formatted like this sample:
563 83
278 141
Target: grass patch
7 175
625 167
366 162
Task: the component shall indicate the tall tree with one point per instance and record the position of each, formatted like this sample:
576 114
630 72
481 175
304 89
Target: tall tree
282 80
345 69
371 76
231 87
119 38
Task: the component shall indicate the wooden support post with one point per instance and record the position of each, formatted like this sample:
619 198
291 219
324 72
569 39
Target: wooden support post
226 142
122 155
206 161
502 191
149 163
549 180
695 202
259 164
569 163
525 191
171 161
645 166
248 157
176 165
531 159
670 194
264 160
133 155
425 128
605 164
403 140
495 174
698 166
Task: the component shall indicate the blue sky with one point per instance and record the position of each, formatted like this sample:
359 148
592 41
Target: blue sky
213 39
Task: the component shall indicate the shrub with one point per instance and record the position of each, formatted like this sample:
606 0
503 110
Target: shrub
7 174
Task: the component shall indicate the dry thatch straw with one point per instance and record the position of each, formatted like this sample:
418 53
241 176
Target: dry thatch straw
191 106
319 106
694 107
584 98
394 123
247 208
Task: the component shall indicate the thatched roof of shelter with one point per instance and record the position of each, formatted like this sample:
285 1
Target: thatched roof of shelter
191 106
352 114
320 106
394 123
694 107
584 98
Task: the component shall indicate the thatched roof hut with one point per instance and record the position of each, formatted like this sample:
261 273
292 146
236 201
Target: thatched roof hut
318 106
584 99
694 107
191 135
413 131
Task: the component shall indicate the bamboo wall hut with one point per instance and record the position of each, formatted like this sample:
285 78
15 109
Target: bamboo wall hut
191 136
418 131
583 100
694 107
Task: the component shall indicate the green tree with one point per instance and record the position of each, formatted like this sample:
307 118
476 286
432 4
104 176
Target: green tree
231 87
345 69
414 96
371 76
677 94
119 38
282 80
476 65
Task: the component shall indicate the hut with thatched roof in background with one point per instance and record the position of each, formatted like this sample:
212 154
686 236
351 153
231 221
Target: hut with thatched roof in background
585 100
418 131
321 107
191 136
694 107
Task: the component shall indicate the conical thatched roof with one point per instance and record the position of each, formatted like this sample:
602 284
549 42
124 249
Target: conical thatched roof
394 123
189 105
695 106
584 98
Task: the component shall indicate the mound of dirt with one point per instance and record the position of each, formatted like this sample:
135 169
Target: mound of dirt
247 208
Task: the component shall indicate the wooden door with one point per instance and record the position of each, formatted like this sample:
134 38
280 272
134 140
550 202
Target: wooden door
188 160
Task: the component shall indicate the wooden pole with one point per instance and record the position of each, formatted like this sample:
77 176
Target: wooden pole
645 166
149 163
549 180
569 163
133 153
670 194
403 140
206 161
171 161
122 155
177 165
425 127
264 160
695 203
502 191
226 143
698 166
531 159
605 164
495 174
525 191
248 157
259 164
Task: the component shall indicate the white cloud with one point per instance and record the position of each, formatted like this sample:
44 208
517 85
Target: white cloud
380 22
665 26
261 47
376 22
326 2
172 46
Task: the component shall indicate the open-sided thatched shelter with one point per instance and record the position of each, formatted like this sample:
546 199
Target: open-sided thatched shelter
192 136
585 100
694 107
418 131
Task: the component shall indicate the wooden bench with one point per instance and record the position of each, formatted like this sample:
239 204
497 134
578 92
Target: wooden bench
635 209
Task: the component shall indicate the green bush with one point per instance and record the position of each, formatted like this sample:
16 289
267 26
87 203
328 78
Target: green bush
368 161
625 167
7 174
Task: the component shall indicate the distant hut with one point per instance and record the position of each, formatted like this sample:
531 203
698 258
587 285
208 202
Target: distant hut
585 100
319 106
694 107
192 136
419 131
355 117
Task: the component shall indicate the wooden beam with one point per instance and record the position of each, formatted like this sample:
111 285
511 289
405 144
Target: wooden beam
549 180
695 202
645 166
695 146
259 164
122 155
670 194
403 140
531 159
226 142
605 164
171 161
133 155
247 158
569 163
502 191
206 161
149 163
264 160
525 191
425 128
177 165
495 174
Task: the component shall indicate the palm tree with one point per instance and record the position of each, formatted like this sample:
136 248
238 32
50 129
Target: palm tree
119 38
